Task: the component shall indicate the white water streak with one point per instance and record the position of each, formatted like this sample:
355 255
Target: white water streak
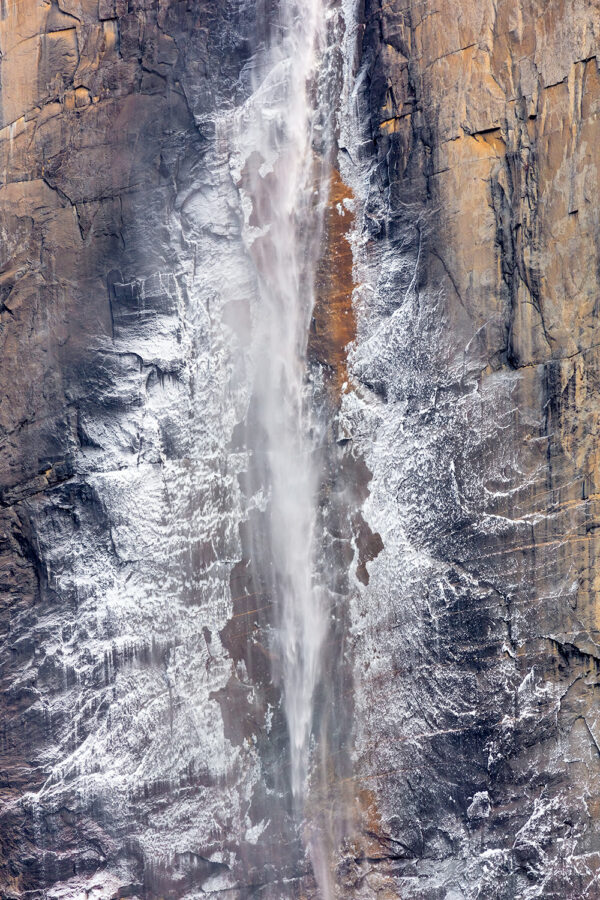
283 186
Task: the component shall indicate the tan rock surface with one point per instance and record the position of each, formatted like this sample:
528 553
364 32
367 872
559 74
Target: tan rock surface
487 148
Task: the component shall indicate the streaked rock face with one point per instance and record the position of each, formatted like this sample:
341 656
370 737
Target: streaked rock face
477 636
142 738
120 491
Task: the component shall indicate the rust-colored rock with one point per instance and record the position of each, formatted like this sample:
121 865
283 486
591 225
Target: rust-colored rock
333 325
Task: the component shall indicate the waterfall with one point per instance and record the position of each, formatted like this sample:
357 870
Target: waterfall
283 185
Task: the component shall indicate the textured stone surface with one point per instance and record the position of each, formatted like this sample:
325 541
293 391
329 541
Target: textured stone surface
119 491
476 409
141 736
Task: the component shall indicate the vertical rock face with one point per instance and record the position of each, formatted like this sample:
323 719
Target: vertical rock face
141 736
120 500
477 360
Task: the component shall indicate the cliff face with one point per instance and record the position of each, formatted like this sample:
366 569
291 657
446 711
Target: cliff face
141 735
119 494
477 358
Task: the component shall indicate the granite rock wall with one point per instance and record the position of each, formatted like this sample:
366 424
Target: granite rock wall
476 410
141 738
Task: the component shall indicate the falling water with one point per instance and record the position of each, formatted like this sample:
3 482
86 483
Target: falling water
283 184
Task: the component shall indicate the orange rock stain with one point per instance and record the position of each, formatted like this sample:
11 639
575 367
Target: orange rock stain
334 324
